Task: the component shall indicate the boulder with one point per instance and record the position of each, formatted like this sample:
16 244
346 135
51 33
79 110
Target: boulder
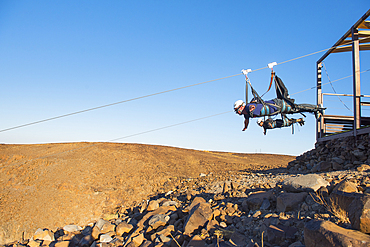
197 241
356 206
320 233
276 234
345 186
199 215
307 183
289 201
322 166
255 200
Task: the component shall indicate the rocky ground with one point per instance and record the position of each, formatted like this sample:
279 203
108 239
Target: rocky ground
248 204
52 185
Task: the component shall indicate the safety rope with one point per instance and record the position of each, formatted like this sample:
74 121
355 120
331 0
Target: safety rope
331 84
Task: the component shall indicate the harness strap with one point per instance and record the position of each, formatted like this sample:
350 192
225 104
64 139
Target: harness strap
272 78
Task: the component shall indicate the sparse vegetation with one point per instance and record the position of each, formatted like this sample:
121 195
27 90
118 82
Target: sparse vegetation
332 207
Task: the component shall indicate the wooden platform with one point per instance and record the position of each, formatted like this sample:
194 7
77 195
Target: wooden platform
361 131
336 126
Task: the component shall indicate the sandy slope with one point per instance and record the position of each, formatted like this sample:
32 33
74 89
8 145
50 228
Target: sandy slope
52 185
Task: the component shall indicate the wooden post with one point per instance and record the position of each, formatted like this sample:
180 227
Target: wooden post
356 80
320 121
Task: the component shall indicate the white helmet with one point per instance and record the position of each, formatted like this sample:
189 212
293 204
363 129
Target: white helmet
238 103
259 121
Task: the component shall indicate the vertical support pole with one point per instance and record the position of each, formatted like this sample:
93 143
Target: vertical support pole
356 80
320 121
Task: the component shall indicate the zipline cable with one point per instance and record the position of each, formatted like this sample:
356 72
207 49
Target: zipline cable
124 137
116 103
349 76
171 90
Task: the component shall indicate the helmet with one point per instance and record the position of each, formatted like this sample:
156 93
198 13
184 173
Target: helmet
259 121
238 103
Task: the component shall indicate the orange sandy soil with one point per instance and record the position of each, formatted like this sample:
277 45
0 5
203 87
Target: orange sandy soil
53 185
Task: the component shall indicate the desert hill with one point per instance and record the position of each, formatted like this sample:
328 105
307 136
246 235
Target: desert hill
52 185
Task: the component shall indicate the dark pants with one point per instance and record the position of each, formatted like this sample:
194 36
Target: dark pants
290 108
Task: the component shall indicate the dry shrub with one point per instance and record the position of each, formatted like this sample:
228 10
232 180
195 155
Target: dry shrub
332 207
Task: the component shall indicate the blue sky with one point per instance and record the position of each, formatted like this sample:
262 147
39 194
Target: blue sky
60 57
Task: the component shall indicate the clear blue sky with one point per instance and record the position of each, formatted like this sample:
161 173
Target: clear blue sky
59 57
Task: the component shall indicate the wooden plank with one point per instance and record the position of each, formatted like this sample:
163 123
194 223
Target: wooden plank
336 136
364 33
339 117
364 25
363 40
338 125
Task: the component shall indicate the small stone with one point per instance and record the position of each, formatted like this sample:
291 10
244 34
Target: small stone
157 221
100 223
72 228
108 227
216 212
138 239
223 224
123 227
164 238
153 205
105 238
363 167
257 214
33 243
44 235
62 244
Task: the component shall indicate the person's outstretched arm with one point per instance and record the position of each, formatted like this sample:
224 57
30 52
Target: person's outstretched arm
246 122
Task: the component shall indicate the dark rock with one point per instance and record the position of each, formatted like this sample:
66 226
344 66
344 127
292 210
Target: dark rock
255 200
199 214
289 201
319 233
356 205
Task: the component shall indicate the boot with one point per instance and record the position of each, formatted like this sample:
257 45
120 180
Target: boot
300 121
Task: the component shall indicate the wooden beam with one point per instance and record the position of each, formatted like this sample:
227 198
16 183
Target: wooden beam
363 47
319 101
363 18
356 80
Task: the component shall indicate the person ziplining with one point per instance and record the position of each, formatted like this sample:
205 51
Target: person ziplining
270 123
282 104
